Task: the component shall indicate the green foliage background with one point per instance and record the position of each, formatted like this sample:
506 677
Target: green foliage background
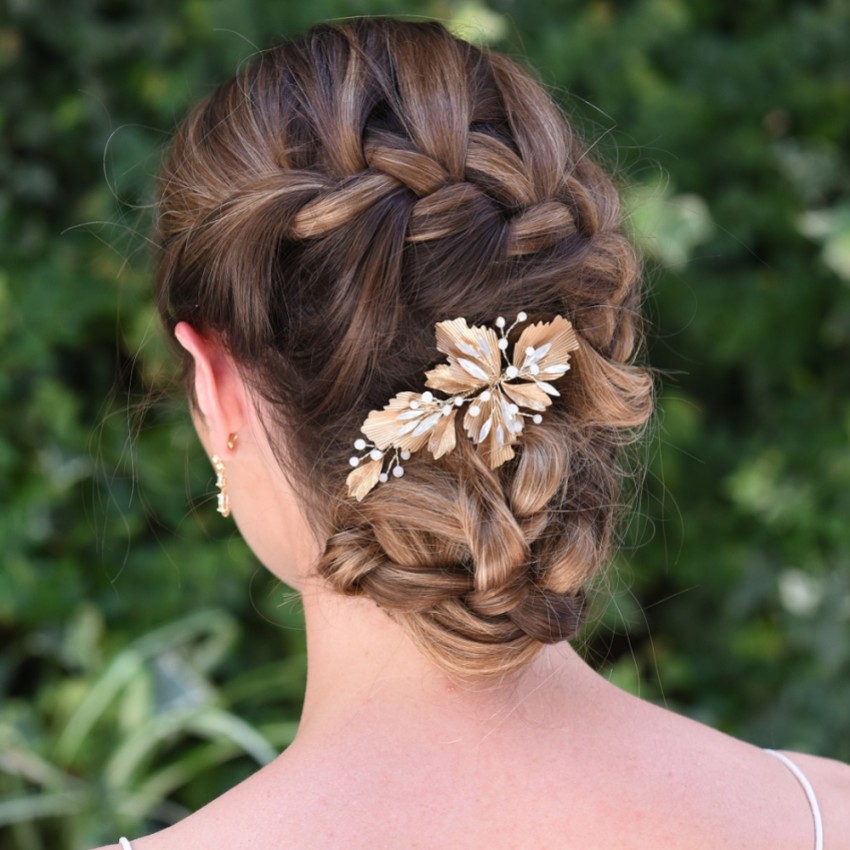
147 663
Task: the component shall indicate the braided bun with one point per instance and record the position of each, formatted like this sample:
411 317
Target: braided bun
320 213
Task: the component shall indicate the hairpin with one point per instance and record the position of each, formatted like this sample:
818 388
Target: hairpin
480 373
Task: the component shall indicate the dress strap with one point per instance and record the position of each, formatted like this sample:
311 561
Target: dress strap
810 794
125 844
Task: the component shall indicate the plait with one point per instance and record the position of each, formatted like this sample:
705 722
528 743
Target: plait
340 205
393 155
539 227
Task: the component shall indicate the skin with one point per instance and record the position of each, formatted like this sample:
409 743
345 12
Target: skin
390 753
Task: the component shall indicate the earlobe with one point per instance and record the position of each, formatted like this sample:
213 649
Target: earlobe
219 391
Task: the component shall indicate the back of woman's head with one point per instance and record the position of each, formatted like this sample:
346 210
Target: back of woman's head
319 214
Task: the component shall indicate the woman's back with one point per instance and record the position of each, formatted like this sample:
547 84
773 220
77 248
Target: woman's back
390 755
578 764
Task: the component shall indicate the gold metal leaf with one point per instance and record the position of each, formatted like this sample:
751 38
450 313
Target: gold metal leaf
558 334
491 429
397 424
448 379
527 395
363 478
476 427
497 455
443 437
473 352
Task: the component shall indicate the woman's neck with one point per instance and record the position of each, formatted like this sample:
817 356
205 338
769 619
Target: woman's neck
364 669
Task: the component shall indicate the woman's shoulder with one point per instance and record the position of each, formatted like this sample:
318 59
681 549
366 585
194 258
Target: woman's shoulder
830 782
738 792
830 771
651 772
753 790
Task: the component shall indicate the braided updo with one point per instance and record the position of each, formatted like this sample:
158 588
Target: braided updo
319 213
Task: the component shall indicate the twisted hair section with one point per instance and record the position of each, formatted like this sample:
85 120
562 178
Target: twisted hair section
320 213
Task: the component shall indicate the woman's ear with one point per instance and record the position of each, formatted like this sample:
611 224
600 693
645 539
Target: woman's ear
220 392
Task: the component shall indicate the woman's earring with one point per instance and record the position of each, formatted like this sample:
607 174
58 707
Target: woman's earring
221 477
221 482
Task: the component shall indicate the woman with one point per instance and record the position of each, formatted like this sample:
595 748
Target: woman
408 316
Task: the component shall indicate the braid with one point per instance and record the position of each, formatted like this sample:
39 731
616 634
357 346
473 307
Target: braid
321 212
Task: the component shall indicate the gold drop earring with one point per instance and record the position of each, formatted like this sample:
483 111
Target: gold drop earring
221 478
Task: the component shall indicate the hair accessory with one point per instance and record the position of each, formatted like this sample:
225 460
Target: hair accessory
475 375
221 482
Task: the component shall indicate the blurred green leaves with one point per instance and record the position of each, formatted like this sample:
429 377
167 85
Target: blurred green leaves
668 226
121 738
472 20
831 227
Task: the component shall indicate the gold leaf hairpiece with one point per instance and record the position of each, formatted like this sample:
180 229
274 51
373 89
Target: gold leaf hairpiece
480 373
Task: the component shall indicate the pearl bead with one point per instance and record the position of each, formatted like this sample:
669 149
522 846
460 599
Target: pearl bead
360 444
354 461
474 410
513 409
427 397
383 478
511 371
405 454
500 321
521 316
485 396
537 419
534 369
503 343
414 405
398 471
376 454
458 401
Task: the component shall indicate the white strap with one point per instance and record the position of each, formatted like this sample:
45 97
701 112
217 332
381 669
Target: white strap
810 794
125 844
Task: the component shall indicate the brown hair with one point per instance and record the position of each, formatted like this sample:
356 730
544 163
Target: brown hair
320 213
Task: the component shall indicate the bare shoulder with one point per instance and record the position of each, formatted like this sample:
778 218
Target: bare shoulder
758 797
830 780
253 814
832 774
